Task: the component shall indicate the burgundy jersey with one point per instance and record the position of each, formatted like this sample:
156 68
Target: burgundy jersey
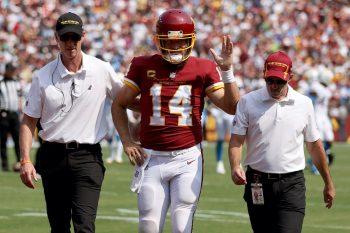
172 99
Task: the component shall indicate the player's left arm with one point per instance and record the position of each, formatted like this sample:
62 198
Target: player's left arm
228 97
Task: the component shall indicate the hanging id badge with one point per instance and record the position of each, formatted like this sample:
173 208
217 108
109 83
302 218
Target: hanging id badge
257 193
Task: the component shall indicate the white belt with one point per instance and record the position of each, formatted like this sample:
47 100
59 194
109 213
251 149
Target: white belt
176 152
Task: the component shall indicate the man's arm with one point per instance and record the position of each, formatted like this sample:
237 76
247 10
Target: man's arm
228 98
319 158
27 128
235 157
126 97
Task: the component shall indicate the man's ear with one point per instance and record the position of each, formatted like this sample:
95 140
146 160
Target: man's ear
291 76
83 35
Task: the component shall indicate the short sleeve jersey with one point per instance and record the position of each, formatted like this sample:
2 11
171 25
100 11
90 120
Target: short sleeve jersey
172 99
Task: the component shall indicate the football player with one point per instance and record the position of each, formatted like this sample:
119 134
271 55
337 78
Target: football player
172 86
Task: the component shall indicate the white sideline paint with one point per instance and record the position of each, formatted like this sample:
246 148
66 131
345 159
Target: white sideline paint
131 215
203 213
31 214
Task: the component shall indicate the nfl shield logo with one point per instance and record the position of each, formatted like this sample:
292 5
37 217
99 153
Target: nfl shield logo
172 75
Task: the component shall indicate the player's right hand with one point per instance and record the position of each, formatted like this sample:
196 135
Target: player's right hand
135 153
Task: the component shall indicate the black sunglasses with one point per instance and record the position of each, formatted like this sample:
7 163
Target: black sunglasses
73 37
278 82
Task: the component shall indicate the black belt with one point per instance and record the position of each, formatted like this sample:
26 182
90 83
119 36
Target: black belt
71 145
270 176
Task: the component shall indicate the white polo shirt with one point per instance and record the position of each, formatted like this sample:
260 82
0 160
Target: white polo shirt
275 130
71 105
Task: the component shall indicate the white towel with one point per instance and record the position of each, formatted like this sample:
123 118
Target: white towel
139 173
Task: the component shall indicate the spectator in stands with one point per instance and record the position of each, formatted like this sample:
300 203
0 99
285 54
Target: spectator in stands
309 30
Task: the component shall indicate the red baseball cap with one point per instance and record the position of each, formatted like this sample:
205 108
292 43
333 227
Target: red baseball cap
278 65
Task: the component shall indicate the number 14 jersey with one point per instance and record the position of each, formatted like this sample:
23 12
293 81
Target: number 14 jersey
172 99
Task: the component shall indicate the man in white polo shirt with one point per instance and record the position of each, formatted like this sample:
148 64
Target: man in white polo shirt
275 121
68 96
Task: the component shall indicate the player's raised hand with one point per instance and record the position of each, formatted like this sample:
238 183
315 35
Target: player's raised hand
225 59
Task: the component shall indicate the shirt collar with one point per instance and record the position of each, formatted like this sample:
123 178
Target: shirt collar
63 72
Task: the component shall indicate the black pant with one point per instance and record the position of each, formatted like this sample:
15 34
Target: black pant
9 124
72 180
283 210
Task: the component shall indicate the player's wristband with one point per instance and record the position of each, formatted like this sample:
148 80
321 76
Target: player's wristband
25 161
227 76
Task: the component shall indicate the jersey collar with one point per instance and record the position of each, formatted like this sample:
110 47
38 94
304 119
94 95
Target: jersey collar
63 72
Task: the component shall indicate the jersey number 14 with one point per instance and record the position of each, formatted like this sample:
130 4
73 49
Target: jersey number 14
180 104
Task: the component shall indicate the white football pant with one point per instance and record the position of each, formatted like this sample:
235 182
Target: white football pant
172 179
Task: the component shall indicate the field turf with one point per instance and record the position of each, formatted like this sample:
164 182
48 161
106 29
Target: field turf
221 208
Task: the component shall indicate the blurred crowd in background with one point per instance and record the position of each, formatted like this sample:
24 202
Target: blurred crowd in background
315 33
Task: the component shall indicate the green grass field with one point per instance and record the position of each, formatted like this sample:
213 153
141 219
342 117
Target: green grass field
221 208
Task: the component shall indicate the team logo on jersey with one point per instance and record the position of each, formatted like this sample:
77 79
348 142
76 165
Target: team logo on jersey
151 73
172 74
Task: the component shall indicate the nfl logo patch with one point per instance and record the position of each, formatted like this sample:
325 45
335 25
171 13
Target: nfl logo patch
172 75
234 122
